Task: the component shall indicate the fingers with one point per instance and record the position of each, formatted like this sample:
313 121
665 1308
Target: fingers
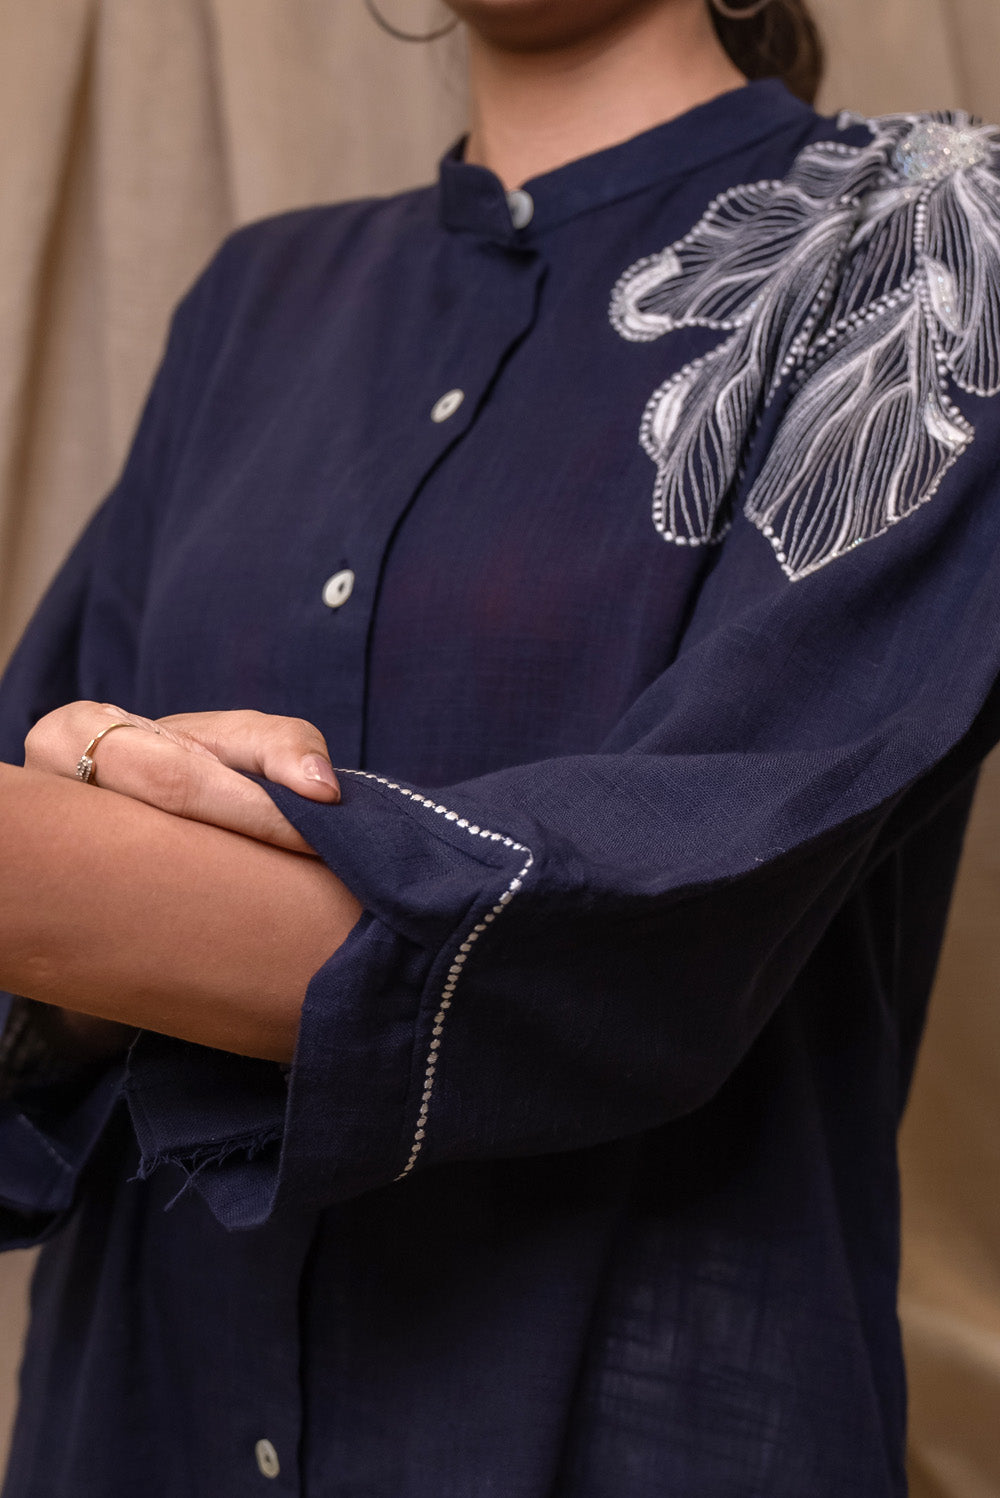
57 741
173 769
164 773
289 751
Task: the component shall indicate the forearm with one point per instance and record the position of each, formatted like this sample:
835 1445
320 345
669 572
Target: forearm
111 908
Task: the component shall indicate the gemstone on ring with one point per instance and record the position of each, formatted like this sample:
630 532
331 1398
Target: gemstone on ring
85 769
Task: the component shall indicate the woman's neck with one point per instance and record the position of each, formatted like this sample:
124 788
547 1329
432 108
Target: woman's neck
534 110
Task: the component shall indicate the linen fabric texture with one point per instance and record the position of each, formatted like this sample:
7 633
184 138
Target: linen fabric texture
583 1180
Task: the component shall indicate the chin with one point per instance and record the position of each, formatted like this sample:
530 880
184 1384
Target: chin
530 25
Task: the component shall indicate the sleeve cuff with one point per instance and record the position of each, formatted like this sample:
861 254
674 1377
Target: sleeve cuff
46 1140
250 1134
348 1116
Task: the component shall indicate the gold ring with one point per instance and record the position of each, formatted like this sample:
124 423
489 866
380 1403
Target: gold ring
85 770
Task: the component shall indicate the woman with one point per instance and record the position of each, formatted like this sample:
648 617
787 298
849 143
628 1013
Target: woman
623 512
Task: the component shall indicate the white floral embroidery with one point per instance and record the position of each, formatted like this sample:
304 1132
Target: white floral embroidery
867 279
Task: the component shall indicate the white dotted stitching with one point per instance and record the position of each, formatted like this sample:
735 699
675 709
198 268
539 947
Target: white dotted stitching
464 950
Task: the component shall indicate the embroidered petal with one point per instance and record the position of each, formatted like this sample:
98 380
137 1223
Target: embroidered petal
693 430
830 172
963 276
897 247
867 439
882 254
715 276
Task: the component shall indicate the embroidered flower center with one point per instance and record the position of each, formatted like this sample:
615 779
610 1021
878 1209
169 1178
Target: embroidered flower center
932 150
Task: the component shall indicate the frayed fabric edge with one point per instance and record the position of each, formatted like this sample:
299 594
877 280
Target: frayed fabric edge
201 1157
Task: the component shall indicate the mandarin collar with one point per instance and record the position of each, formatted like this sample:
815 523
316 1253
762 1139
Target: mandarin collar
473 199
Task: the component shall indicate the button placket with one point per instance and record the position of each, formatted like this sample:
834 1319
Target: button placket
390 476
264 1396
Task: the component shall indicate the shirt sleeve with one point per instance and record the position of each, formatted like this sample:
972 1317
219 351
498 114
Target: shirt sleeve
81 644
566 952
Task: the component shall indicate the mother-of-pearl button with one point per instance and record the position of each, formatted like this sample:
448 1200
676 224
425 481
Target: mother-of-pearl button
522 207
338 589
447 405
267 1459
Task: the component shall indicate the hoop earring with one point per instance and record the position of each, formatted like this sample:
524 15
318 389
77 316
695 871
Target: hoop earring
408 36
739 12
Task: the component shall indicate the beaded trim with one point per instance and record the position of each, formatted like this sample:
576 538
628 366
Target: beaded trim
465 948
866 278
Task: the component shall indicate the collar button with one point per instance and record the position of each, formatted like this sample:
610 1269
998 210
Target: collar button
522 207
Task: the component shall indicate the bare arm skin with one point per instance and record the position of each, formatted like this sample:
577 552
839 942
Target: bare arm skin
189 764
112 908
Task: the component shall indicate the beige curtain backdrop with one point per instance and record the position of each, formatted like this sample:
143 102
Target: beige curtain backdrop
133 135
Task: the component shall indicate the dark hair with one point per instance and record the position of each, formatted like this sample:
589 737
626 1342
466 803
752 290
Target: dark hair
783 41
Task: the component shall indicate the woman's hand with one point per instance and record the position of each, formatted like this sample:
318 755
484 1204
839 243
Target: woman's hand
188 764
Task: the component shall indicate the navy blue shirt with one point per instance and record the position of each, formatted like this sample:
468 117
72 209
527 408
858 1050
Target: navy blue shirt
639 564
